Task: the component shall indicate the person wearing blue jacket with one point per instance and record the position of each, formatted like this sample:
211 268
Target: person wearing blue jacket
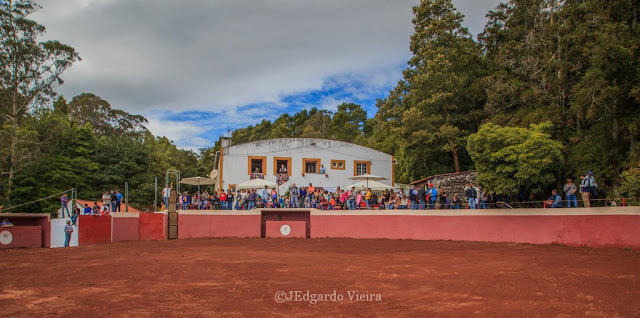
433 195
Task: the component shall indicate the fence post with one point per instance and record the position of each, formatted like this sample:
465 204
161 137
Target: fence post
544 204
623 202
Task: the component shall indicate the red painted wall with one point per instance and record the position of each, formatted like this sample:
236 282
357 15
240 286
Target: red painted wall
45 225
37 220
93 229
125 229
574 230
298 229
153 226
194 225
23 236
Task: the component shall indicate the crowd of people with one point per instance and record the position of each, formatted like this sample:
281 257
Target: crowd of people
588 188
415 198
318 198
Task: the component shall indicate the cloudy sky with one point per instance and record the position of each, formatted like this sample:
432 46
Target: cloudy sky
198 69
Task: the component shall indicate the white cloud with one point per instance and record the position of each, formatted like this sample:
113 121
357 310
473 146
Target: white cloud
150 57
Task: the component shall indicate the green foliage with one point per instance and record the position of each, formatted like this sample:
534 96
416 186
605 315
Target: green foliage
550 80
432 111
630 187
347 124
508 157
29 70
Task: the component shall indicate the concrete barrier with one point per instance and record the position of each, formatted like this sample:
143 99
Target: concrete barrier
125 227
595 227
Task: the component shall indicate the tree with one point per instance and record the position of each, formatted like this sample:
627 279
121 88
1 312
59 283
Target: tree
90 109
630 187
348 122
29 70
574 63
509 157
430 113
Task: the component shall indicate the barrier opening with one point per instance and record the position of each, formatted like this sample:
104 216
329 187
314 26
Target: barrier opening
285 215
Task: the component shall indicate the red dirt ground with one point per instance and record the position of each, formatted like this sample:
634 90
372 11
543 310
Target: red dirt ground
240 277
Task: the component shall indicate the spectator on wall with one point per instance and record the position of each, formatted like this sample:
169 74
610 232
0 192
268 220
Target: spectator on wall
555 201
64 201
455 204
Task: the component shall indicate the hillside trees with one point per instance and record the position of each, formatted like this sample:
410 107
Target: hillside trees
28 73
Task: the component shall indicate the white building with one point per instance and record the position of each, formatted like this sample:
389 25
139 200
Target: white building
324 163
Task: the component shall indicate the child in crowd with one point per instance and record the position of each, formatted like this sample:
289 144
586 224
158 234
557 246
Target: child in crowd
96 209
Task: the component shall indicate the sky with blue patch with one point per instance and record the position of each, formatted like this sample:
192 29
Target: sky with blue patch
201 69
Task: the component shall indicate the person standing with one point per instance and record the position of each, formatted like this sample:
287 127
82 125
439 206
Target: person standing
106 200
585 189
114 200
64 202
253 196
570 193
165 195
433 195
266 194
412 198
118 199
223 199
367 198
422 198
470 195
68 229
293 192
352 198
229 200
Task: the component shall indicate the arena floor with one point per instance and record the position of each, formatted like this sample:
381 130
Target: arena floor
251 277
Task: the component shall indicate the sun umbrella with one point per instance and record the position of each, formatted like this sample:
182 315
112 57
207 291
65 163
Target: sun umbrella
367 177
374 185
256 184
197 181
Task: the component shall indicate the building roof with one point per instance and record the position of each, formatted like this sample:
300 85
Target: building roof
310 141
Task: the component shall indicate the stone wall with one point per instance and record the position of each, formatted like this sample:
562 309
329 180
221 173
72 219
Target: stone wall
451 183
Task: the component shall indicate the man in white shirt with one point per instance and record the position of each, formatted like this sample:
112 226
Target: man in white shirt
165 195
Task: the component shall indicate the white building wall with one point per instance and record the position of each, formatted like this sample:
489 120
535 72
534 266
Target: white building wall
235 161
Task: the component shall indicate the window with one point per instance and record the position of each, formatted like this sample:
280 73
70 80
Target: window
361 167
310 165
337 164
232 187
257 165
282 165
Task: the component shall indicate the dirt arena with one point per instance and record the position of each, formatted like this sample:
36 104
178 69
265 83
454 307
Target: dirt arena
391 278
